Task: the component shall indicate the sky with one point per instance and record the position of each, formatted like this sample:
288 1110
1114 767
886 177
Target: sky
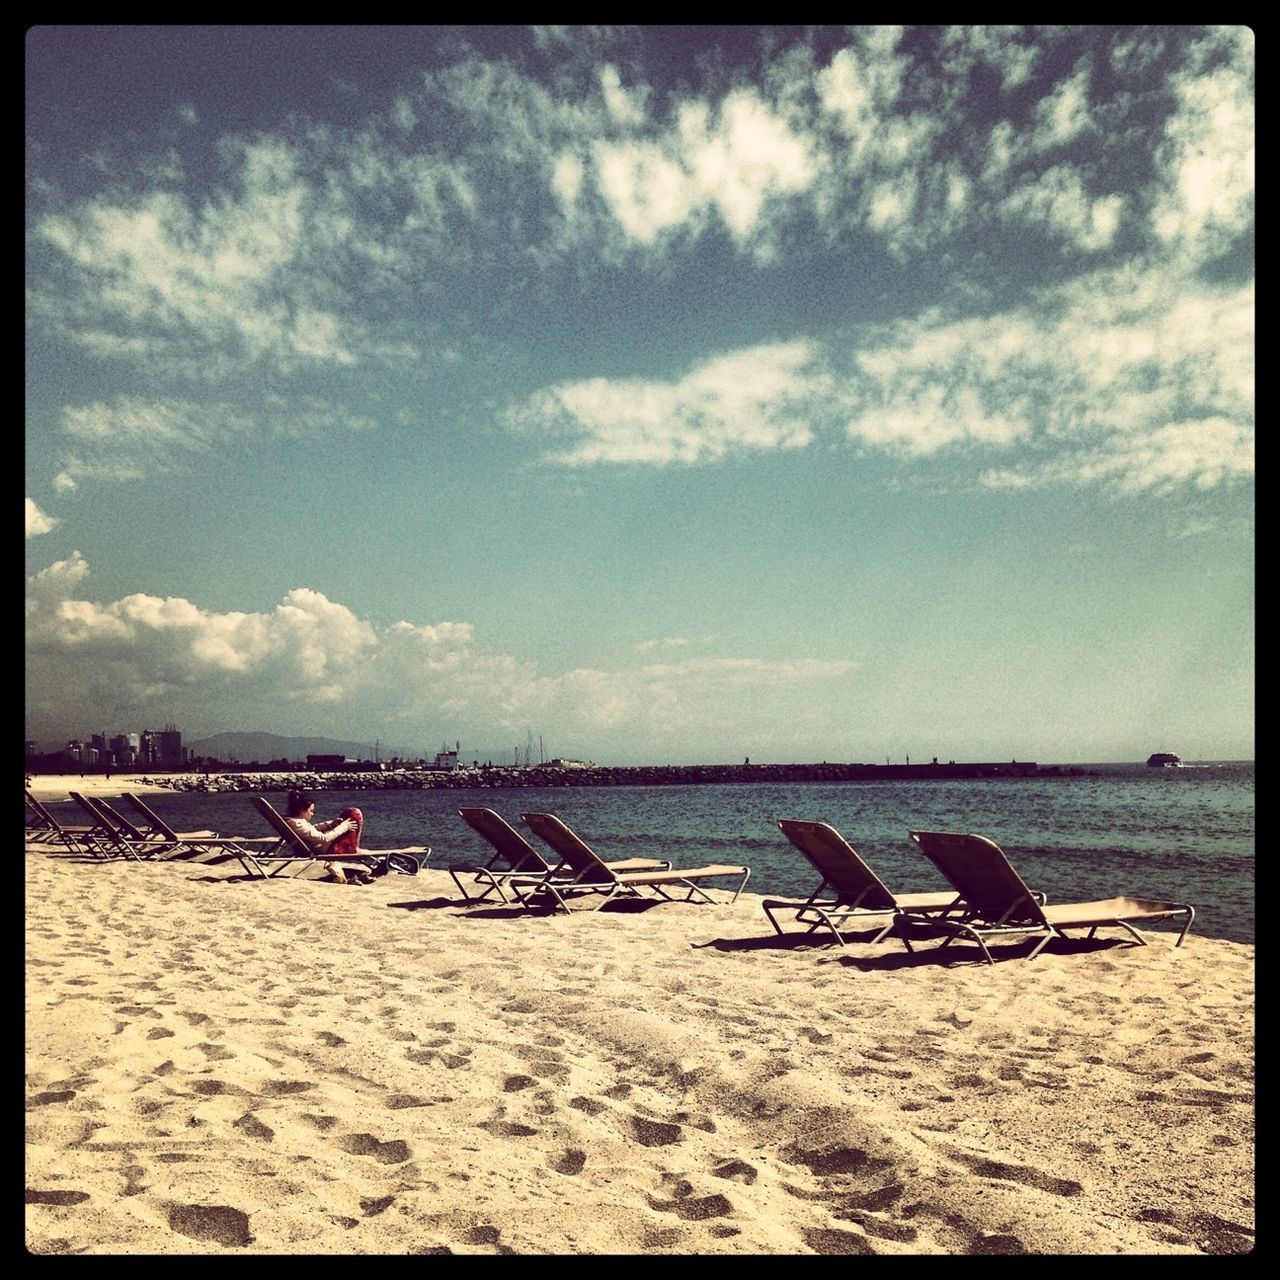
650 394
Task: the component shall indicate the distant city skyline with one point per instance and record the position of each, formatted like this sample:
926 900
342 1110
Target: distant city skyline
674 394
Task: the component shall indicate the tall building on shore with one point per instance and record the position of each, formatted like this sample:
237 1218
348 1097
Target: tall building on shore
172 753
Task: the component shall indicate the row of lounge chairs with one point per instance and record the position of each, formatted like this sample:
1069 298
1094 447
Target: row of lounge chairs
145 837
988 900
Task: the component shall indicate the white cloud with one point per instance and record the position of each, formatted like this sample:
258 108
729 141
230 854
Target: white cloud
756 399
661 642
1115 357
37 521
126 656
129 437
734 162
1205 454
626 108
1063 114
1206 157
1058 201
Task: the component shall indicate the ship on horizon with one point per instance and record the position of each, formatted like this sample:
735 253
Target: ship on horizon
1164 760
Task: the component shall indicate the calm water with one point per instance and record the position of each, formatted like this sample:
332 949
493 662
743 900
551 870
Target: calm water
1185 834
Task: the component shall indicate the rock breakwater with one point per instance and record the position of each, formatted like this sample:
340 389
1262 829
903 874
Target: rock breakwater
591 776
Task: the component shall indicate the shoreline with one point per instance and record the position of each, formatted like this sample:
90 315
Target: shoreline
222 1066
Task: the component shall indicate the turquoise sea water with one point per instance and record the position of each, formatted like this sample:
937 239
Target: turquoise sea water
1184 834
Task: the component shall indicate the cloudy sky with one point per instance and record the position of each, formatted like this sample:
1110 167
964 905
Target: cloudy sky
664 394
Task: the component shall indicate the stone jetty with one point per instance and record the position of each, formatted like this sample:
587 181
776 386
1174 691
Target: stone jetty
589 776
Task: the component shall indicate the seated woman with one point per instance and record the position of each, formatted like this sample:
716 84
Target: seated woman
339 836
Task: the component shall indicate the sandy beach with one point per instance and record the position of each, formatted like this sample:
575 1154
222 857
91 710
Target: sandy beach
47 787
215 1065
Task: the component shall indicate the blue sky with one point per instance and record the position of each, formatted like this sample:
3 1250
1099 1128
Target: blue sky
666 394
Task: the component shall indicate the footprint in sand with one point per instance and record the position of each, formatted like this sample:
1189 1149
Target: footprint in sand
215 1052
654 1133
835 1160
219 1223
695 1208
663 1237
212 1088
570 1162
365 1144
736 1171
283 1088
506 1129
690 1121
250 1124
32 1196
833 1240
45 1099
1018 1173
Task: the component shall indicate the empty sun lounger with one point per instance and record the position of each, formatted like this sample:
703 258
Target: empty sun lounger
44 827
127 839
999 905
150 826
110 838
406 861
514 858
849 892
587 873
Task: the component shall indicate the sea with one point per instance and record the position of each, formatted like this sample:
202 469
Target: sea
1084 832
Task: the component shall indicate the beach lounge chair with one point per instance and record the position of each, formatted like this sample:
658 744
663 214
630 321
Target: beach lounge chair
110 839
154 829
44 827
999 905
585 872
515 858
406 861
121 837
39 825
849 892
151 826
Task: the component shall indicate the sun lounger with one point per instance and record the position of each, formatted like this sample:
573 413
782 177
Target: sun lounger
110 839
406 861
514 858
49 830
40 826
999 905
151 826
122 837
587 873
849 892
208 846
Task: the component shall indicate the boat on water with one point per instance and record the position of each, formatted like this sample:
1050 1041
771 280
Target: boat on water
1164 760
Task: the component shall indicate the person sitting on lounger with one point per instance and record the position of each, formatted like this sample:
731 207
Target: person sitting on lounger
340 835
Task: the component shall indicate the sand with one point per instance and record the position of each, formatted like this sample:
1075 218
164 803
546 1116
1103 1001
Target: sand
55 786
216 1065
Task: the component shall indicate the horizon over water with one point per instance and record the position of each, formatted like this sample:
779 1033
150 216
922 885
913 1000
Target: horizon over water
1183 834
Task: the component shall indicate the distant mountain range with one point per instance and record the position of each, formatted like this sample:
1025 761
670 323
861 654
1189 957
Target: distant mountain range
244 747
